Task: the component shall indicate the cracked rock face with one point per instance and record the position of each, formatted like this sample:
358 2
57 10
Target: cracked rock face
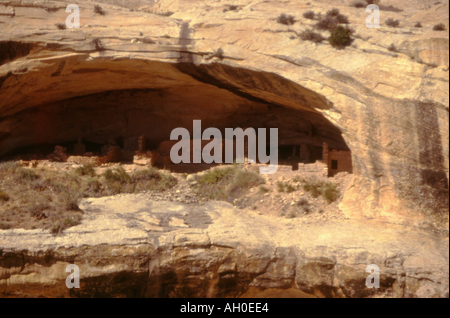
131 246
136 70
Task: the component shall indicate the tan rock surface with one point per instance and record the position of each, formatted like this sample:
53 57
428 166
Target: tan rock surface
391 109
230 252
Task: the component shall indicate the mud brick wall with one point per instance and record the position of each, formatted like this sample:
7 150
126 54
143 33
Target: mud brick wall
344 161
319 167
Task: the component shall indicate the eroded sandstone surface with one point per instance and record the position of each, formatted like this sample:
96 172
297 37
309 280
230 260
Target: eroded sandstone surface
133 246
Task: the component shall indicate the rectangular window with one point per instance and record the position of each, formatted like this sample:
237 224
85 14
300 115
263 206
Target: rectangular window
334 164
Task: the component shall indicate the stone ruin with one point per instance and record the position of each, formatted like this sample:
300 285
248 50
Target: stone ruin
304 158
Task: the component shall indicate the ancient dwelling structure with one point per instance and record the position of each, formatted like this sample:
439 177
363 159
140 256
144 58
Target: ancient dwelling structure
304 157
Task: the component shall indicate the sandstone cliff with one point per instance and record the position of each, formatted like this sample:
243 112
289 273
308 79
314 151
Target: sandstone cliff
146 68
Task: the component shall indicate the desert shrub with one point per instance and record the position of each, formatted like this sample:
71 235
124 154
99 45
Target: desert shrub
309 35
342 19
302 202
392 23
306 209
242 181
309 15
358 4
219 53
69 199
333 12
99 10
289 188
9 167
298 179
148 41
4 196
72 221
226 183
392 48
285 187
280 186
233 8
389 8
328 23
313 188
117 175
263 190
61 26
216 175
330 192
86 170
418 25
27 174
163 183
97 43
51 9
340 37
291 215
166 14
286 19
439 27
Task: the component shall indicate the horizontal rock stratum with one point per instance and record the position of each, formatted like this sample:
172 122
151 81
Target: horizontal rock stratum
144 68
131 246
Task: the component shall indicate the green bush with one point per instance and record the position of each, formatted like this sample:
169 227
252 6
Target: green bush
392 23
333 12
309 15
342 19
61 26
286 19
219 53
51 9
389 8
439 27
291 215
309 35
263 189
216 175
302 202
330 192
86 170
9 167
328 23
358 4
99 10
27 174
340 37
392 48
226 183
117 175
166 14
289 188
280 186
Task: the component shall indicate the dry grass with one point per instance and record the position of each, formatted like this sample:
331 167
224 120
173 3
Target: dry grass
226 184
46 199
329 191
